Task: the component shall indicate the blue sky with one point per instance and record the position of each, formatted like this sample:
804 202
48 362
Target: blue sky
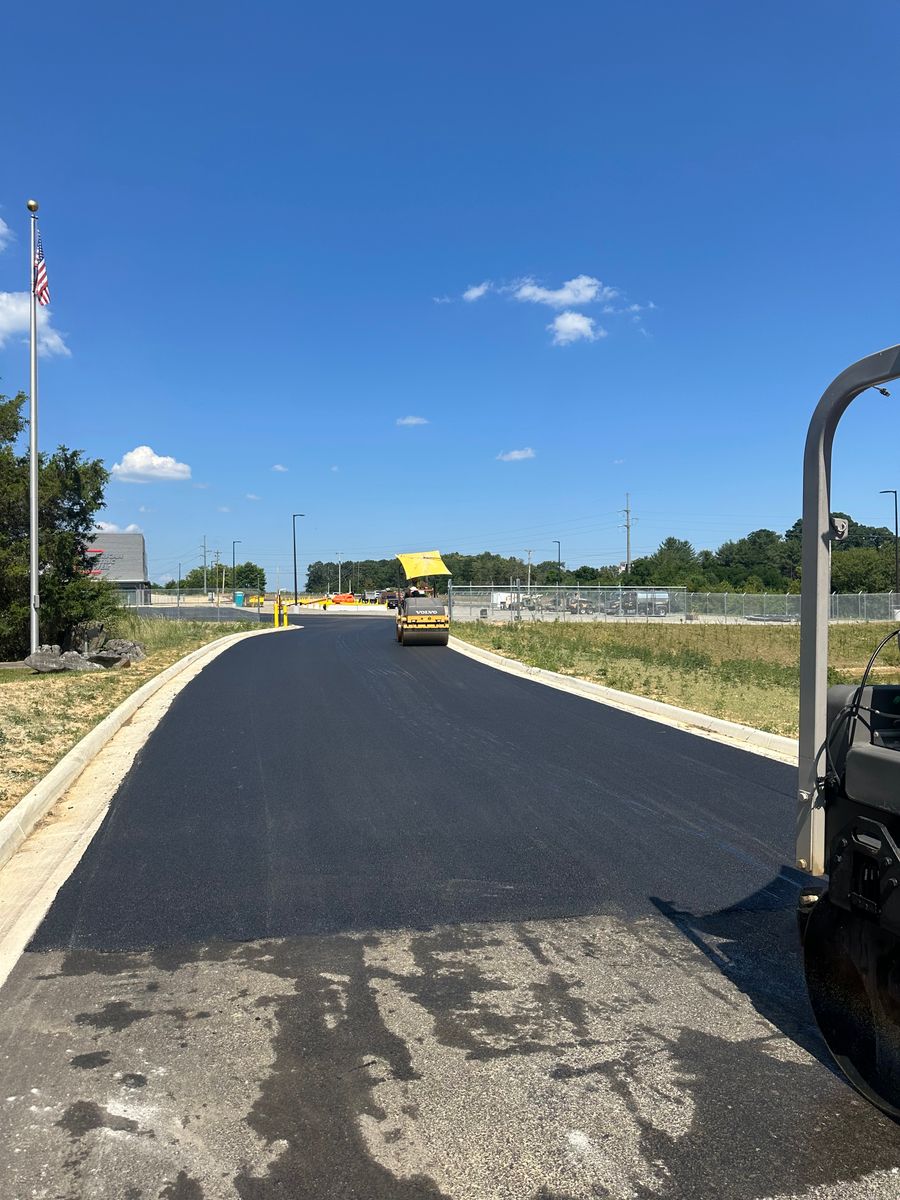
260 224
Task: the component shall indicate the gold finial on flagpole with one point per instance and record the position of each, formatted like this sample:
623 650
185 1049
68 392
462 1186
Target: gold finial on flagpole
32 206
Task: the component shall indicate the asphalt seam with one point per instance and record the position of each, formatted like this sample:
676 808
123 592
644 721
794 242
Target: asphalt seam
757 741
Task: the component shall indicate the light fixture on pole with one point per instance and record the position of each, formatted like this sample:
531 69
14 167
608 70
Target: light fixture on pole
294 517
893 492
235 542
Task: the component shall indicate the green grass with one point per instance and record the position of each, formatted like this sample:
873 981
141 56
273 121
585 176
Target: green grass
159 633
745 673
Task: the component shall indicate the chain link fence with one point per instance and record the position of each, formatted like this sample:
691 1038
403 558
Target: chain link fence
517 602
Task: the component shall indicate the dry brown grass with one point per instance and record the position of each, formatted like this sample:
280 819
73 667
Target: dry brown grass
744 673
43 716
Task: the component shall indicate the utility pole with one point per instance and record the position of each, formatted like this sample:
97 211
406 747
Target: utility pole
528 584
217 583
204 564
628 523
339 574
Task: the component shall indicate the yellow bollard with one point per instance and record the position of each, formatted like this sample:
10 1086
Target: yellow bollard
284 616
275 614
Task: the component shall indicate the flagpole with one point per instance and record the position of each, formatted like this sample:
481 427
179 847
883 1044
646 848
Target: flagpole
34 605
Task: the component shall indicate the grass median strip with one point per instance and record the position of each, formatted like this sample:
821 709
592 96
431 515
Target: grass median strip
43 716
744 673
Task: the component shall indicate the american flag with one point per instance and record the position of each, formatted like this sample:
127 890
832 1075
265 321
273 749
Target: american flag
41 286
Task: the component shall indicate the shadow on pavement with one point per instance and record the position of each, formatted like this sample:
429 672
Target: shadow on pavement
755 945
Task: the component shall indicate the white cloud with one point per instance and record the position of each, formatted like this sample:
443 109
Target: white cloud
142 508
617 462
142 465
516 455
111 527
201 487
223 508
477 290
442 299
251 496
412 420
6 235
583 289
573 327
279 467
14 320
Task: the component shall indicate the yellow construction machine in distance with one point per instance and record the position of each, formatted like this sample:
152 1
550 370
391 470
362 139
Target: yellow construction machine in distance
422 620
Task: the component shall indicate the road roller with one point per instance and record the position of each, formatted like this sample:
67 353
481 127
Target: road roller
422 619
848 810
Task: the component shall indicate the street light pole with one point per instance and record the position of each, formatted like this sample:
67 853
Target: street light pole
236 542
893 492
294 517
558 570
339 572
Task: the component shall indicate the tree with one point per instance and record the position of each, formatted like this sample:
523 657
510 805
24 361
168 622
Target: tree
70 493
862 569
248 577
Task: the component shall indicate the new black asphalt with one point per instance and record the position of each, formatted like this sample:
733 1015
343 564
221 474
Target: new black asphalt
328 779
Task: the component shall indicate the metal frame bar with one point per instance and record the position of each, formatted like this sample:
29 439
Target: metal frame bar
815 596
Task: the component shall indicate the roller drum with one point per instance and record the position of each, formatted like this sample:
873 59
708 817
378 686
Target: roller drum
425 637
853 976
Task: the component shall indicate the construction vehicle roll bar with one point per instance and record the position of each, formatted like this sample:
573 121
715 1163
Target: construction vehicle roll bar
818 533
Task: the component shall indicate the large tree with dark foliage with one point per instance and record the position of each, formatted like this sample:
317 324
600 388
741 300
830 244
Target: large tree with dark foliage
70 490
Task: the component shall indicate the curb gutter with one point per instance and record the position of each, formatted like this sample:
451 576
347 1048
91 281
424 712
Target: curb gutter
19 822
773 745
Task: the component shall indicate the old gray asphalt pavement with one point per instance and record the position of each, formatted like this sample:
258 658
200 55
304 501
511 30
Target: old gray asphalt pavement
370 921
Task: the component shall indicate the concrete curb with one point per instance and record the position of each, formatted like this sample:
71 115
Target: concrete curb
747 738
19 822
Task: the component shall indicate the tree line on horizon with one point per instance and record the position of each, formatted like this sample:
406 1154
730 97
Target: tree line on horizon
762 561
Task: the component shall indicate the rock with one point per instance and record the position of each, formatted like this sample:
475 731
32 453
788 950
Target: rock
109 661
73 661
87 638
124 649
45 661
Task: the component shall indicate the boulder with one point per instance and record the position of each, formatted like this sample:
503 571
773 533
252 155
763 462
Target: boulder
87 638
124 649
73 661
45 660
109 661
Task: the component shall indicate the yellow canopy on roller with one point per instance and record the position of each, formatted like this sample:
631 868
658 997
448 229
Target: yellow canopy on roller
427 562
